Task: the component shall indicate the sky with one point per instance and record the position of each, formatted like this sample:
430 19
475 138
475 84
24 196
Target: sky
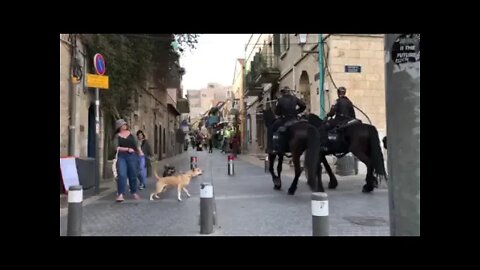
213 61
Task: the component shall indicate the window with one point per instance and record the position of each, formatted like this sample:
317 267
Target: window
164 141
155 140
285 40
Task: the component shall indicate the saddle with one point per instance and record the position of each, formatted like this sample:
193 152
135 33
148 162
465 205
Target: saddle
284 136
290 123
336 142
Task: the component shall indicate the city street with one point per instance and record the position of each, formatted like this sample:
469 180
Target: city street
246 205
129 98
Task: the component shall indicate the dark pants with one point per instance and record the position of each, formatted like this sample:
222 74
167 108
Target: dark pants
225 145
142 170
149 166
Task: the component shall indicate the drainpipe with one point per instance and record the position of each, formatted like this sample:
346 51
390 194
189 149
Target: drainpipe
293 79
244 120
72 102
322 76
244 82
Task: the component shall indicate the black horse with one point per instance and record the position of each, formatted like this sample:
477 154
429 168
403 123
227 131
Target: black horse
302 136
361 140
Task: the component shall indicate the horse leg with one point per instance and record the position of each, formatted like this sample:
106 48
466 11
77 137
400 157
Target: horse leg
279 167
298 172
319 178
277 184
333 179
369 186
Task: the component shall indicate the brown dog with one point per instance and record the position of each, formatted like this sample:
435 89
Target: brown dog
181 181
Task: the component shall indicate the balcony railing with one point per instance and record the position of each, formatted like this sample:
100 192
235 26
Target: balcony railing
264 69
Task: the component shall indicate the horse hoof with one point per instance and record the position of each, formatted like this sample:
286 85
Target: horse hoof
332 185
367 189
277 187
291 191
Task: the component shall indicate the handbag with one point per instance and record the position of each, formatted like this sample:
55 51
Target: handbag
114 166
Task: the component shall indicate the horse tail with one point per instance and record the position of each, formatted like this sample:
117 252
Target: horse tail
312 156
376 152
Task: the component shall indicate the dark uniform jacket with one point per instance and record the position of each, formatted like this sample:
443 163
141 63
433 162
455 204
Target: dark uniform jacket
343 108
287 106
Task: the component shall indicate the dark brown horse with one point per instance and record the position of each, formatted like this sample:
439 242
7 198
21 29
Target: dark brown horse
361 140
302 137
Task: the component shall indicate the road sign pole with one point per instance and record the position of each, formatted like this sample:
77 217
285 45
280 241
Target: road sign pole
97 141
99 64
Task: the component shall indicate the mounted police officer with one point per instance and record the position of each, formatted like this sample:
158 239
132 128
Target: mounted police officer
342 110
287 110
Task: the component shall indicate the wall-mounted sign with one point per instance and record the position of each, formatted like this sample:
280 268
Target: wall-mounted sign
406 49
353 69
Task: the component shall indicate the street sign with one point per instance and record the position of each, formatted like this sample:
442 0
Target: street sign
97 81
99 63
353 69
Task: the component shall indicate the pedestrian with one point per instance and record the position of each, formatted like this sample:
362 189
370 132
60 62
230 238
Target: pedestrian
192 141
126 145
236 144
226 139
144 159
185 143
210 142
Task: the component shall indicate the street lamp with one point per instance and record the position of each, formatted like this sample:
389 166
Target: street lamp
302 39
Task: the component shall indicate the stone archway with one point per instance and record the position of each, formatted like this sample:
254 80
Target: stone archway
305 90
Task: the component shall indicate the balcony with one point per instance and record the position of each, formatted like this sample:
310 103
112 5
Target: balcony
267 71
263 70
183 106
171 103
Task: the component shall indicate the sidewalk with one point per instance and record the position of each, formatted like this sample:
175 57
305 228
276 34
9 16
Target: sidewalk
109 186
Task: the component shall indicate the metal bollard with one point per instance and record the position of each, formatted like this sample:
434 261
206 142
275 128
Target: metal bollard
206 208
231 168
320 214
75 199
193 162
